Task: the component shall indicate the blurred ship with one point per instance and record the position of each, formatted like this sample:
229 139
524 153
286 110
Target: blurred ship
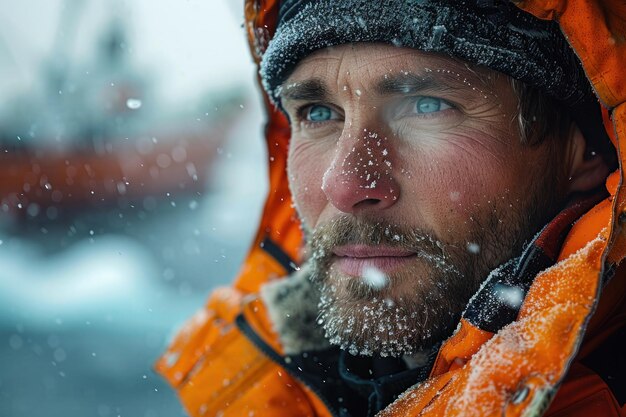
94 135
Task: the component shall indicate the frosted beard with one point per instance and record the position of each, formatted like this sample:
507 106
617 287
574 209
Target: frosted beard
405 312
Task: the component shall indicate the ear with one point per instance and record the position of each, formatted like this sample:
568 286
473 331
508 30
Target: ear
588 170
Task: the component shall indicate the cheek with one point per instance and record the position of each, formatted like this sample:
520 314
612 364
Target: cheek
469 180
456 180
306 165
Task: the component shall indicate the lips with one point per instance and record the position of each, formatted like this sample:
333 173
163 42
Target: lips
355 259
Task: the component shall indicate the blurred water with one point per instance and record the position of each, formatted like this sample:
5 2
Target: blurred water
89 371
84 314
90 294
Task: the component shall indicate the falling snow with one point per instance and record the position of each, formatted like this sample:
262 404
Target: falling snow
133 103
374 278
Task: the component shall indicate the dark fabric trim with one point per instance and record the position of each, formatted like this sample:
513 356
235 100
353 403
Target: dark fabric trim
498 301
279 255
314 383
378 381
609 362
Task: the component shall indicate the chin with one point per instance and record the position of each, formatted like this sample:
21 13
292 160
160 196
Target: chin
387 321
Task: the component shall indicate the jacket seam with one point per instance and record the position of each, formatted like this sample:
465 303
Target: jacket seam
272 355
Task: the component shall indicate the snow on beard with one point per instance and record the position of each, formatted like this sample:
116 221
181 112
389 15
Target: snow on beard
400 314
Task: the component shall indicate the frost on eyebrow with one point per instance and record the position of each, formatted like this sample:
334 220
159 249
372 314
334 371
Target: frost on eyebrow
313 89
456 78
478 92
404 82
446 76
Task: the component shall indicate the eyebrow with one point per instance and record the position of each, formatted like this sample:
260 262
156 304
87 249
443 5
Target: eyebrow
406 83
313 89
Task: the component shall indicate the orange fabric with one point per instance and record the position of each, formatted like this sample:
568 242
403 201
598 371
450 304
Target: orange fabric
235 379
587 228
596 29
530 355
198 335
584 394
460 348
515 372
261 19
562 299
258 269
256 315
279 221
218 371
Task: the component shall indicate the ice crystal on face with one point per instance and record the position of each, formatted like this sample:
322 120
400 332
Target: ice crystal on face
414 306
374 278
473 247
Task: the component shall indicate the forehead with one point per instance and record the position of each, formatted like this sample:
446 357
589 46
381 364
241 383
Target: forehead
370 61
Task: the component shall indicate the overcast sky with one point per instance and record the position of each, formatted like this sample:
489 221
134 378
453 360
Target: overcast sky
187 45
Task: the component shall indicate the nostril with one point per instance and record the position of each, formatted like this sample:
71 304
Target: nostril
368 202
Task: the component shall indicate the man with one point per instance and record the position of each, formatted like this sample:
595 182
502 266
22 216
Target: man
447 164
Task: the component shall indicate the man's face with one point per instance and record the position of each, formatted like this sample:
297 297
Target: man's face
408 174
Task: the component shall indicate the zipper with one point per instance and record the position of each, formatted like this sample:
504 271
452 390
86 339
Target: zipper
273 356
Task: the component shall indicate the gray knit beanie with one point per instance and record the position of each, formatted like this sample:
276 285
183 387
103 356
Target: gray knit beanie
493 33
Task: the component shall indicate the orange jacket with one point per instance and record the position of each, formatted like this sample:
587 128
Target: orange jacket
228 360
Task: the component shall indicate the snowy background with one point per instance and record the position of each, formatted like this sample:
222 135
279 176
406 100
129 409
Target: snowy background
89 295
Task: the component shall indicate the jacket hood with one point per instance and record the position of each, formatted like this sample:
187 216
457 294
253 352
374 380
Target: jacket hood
558 311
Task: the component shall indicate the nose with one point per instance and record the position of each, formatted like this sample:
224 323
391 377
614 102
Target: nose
360 177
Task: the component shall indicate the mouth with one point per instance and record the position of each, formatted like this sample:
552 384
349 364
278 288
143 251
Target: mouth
354 260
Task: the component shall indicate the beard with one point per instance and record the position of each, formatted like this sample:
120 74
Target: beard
414 307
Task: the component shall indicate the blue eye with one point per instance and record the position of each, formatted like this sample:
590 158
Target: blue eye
319 113
430 105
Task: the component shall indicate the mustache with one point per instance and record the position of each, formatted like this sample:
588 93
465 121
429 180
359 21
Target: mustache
348 230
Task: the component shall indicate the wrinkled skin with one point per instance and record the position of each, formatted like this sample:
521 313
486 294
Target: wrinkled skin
411 181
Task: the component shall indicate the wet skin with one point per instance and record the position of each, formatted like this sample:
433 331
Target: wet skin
418 141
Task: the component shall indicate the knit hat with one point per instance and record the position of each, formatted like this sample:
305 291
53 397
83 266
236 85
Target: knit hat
493 33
